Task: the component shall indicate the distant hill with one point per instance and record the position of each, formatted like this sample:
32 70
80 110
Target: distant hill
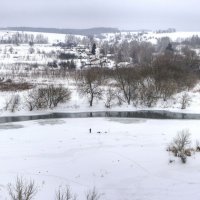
90 31
138 30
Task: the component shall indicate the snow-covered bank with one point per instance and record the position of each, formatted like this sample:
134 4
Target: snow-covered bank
127 160
80 104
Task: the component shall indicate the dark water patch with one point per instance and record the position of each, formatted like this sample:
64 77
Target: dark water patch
154 114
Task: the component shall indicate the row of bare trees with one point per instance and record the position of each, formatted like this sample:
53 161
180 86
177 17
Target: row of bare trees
39 98
138 85
24 38
145 85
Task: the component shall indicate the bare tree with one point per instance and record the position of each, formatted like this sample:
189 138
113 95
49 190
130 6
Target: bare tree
12 103
90 83
145 53
35 100
110 96
191 59
147 92
15 103
162 44
104 49
141 52
122 52
127 82
185 100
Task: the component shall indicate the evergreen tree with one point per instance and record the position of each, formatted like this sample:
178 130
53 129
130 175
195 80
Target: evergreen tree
169 47
93 49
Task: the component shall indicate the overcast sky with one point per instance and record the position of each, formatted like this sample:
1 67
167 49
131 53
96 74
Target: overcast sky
123 14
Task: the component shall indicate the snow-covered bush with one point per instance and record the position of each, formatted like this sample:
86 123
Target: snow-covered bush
180 145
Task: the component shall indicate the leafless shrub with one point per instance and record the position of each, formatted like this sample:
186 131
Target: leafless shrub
93 194
34 100
110 97
185 100
47 97
22 189
147 93
166 89
65 194
55 95
180 145
182 140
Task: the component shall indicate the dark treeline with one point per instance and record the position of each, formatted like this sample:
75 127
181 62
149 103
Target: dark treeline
90 31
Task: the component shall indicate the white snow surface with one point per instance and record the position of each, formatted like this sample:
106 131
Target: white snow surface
127 160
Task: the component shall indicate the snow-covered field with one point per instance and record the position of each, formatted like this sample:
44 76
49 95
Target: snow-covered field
127 160
123 158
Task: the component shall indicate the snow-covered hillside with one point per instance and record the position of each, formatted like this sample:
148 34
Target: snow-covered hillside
123 158
52 37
